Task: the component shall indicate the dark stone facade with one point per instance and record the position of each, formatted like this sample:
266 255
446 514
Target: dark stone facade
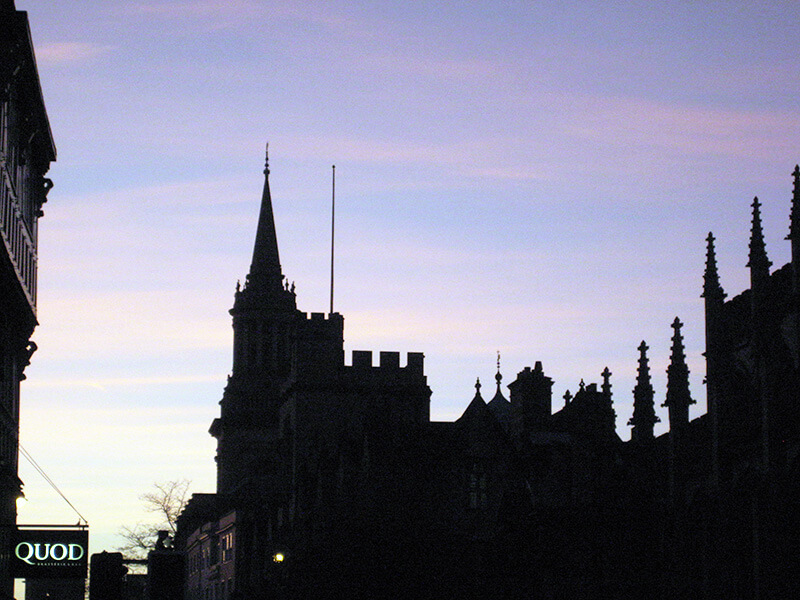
334 483
26 151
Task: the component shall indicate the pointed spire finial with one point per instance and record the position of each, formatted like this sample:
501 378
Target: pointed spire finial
498 377
711 287
265 268
794 219
478 386
644 414
678 396
759 263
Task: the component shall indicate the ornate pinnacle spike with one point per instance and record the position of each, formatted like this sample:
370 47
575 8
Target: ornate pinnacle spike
758 251
644 414
677 340
794 219
478 386
266 160
643 372
678 395
711 286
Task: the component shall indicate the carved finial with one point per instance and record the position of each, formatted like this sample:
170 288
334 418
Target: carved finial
711 287
644 414
498 377
678 396
238 286
758 263
567 398
266 160
581 386
606 375
478 386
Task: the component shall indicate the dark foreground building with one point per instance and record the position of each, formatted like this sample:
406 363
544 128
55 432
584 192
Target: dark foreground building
26 151
334 483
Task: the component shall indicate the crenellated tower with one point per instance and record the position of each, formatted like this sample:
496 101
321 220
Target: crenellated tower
644 413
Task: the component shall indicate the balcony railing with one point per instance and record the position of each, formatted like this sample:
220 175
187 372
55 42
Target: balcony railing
17 239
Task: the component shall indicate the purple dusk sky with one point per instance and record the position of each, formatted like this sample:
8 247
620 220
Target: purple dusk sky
536 178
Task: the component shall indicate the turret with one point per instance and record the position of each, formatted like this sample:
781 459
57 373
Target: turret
498 405
678 397
644 413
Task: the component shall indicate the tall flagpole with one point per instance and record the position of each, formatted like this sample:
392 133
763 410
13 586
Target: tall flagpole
333 223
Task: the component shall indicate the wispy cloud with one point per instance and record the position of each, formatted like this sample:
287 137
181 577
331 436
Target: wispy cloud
69 52
103 383
475 70
681 126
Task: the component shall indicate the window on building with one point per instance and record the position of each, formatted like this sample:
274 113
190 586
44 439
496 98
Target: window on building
227 546
478 496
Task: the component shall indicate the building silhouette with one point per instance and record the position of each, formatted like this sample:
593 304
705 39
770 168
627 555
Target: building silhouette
26 151
333 482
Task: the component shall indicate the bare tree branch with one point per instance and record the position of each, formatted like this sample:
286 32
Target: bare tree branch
166 500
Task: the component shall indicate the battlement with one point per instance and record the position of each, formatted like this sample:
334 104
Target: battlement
319 317
388 361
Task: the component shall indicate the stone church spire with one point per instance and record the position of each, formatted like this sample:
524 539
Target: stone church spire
265 269
264 287
759 264
644 413
678 396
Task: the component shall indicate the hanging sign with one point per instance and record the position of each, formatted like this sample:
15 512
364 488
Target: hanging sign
50 553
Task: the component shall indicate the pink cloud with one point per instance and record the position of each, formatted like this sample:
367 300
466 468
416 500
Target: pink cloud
69 52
